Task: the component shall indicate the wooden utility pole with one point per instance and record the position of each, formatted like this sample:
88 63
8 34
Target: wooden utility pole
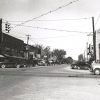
0 31
1 36
28 36
94 39
87 51
99 52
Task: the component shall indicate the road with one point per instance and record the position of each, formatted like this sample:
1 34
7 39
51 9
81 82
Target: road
48 83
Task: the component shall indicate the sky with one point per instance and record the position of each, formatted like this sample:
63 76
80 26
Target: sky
66 28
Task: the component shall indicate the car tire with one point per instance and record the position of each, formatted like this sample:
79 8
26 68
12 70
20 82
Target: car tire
17 66
75 67
78 68
24 65
97 71
3 66
72 67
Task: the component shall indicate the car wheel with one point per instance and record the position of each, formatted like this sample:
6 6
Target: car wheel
75 67
17 66
78 67
72 67
3 66
96 71
24 66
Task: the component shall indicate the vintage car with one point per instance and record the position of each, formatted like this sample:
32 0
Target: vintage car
11 62
80 65
95 68
41 63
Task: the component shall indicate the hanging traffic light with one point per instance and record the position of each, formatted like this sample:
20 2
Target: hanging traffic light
7 27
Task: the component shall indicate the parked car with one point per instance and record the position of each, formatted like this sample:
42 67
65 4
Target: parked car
74 65
6 62
11 65
95 68
80 65
41 63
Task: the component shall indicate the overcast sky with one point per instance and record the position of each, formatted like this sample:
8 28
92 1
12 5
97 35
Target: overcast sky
73 42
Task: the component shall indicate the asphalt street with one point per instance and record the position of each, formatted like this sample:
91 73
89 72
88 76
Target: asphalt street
48 83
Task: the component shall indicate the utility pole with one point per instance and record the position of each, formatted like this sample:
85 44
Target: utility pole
87 50
94 39
84 56
99 52
28 36
1 36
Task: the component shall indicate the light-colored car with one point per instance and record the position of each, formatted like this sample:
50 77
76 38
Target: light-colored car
41 63
95 68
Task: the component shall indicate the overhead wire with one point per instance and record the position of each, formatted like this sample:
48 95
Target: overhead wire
85 18
34 19
60 7
52 29
51 37
51 20
97 20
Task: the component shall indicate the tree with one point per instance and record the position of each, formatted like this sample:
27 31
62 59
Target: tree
45 51
60 55
80 57
69 60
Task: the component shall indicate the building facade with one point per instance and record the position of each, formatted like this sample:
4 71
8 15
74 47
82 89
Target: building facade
11 46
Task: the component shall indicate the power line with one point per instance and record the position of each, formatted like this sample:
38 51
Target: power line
51 37
97 20
51 29
55 19
61 30
64 19
54 29
60 7
90 34
28 37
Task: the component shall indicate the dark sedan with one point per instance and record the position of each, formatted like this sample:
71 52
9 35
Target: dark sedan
80 65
